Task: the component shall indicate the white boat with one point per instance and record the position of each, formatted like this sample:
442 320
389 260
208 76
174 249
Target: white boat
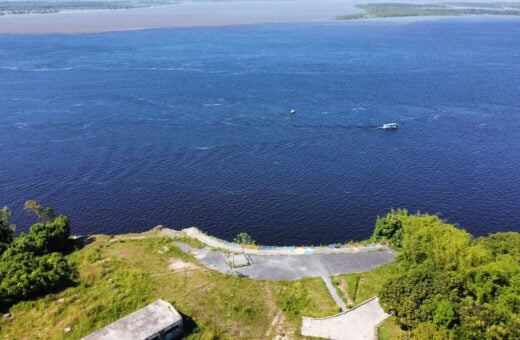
390 126
292 111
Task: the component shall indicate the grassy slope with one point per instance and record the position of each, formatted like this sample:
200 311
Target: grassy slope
120 275
363 286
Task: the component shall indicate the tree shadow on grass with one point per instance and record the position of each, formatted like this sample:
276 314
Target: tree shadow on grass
189 324
78 243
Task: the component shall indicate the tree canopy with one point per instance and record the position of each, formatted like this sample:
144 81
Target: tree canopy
451 285
244 238
6 230
43 213
33 263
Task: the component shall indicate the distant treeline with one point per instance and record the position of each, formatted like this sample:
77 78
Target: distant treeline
450 285
385 10
31 7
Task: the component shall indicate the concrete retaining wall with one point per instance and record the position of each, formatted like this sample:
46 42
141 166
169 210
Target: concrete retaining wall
235 248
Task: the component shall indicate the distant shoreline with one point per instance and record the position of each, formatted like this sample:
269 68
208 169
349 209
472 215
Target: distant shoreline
443 9
184 14
208 13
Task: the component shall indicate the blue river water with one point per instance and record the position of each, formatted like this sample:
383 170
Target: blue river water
123 131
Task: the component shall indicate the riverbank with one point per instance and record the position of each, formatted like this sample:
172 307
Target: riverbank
276 263
120 274
263 250
108 17
184 14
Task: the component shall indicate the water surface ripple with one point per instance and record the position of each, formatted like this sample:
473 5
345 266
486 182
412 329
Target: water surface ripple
123 131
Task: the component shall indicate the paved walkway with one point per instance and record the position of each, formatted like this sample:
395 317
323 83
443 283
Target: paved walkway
359 323
255 250
334 293
283 267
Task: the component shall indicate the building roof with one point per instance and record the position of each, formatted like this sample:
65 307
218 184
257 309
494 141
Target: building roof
140 324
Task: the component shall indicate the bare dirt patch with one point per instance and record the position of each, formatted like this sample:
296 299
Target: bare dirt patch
277 326
344 291
177 265
168 232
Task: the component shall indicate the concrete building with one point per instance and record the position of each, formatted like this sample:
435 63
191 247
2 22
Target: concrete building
157 321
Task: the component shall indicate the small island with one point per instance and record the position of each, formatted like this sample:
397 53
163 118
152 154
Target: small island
396 9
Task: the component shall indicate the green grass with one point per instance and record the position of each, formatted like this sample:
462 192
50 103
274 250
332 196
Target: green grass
363 286
389 330
307 297
194 243
120 275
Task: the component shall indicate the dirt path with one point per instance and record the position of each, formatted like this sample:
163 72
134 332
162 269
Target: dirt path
277 324
344 290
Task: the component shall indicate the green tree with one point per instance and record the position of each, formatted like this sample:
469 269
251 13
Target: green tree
404 296
33 263
43 213
388 228
51 236
428 331
444 314
450 283
243 238
6 230
25 275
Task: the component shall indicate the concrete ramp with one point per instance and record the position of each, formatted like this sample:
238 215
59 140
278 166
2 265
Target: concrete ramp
359 323
334 293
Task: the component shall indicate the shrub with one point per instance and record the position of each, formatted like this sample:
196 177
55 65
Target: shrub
33 263
51 236
6 230
388 228
26 276
243 238
451 284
